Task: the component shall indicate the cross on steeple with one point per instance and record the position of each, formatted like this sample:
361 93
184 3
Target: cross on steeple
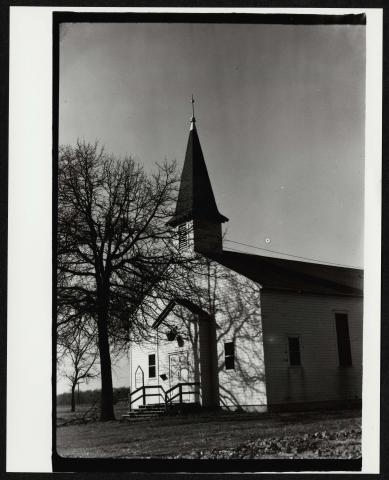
193 120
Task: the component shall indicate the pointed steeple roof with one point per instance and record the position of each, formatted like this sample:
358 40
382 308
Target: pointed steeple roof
195 198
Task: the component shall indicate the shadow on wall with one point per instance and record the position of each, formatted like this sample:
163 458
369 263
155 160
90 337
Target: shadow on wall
233 303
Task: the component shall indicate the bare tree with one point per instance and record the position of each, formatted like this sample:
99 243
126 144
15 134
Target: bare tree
113 245
79 357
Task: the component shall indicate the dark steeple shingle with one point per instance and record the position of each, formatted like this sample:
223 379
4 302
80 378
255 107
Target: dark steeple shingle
195 198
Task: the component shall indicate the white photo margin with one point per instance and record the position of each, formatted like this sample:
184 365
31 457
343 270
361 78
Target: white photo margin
29 360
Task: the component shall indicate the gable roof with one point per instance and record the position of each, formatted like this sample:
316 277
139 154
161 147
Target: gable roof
277 273
195 198
192 307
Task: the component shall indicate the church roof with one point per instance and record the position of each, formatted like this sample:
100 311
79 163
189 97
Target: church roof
195 198
282 274
183 302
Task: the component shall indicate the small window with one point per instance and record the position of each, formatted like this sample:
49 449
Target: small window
343 336
229 356
182 236
152 372
294 351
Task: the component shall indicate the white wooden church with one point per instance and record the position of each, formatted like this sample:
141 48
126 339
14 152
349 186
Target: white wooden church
247 331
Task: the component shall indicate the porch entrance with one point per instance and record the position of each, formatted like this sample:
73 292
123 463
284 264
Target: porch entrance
181 391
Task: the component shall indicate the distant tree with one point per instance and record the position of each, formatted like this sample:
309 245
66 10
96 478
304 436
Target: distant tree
79 356
113 246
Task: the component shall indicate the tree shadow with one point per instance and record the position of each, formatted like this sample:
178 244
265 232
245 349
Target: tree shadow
231 303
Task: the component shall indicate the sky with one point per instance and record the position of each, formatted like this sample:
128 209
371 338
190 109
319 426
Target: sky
279 110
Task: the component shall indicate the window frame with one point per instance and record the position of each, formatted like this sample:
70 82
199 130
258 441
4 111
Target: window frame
230 356
152 365
298 337
348 353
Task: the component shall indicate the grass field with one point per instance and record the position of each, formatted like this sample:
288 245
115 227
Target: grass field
334 434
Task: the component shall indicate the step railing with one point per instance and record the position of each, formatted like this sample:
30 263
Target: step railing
142 393
169 397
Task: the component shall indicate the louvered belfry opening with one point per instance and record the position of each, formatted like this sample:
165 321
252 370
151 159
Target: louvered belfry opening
182 236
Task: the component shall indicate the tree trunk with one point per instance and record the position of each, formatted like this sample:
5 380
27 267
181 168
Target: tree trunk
73 399
106 412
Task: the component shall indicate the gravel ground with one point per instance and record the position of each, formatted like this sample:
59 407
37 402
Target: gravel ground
342 444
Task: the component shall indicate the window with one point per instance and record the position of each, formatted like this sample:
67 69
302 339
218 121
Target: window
182 236
294 351
139 377
152 366
229 356
342 333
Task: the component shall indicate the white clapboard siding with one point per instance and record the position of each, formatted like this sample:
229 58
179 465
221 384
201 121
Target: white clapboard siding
239 320
312 318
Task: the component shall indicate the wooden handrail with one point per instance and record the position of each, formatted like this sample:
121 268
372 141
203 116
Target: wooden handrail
135 391
187 384
134 400
143 396
180 391
146 386
164 394
192 392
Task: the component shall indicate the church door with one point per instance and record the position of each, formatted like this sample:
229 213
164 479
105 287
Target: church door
178 368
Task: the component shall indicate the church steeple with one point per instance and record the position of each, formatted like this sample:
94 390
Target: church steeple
196 201
195 198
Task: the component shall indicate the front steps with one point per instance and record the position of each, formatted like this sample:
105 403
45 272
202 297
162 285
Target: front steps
146 411
150 411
